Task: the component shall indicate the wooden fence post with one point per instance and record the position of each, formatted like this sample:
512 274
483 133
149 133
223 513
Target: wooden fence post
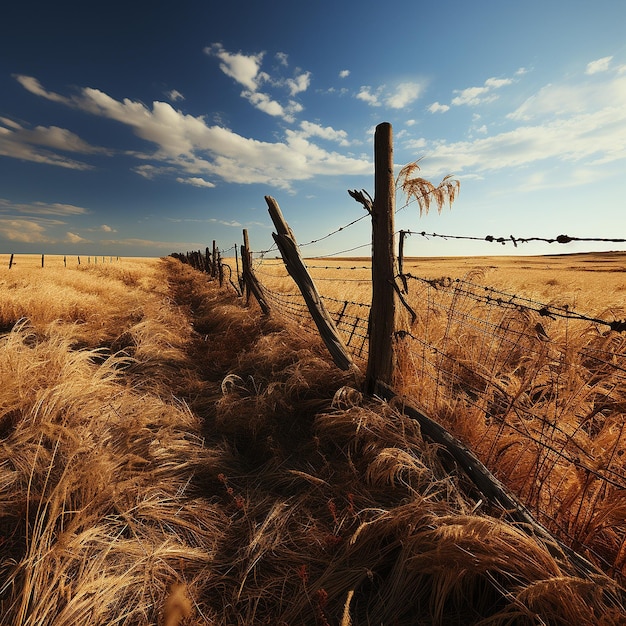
250 280
214 263
11 261
245 259
290 252
381 357
42 260
220 268
239 276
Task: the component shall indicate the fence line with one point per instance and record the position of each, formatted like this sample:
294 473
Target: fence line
541 390
537 391
43 260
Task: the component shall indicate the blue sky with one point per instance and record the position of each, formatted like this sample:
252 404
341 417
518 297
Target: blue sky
144 128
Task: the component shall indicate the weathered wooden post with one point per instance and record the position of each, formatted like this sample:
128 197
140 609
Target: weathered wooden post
220 268
11 261
239 276
214 264
249 278
381 358
42 260
290 252
245 259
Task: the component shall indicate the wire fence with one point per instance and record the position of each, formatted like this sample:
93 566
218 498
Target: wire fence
23 260
537 390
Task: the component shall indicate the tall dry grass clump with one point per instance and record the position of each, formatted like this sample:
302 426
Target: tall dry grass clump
540 399
197 463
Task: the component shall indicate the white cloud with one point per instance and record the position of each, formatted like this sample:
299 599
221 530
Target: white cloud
599 65
567 98
174 95
264 103
366 95
435 107
31 145
416 144
34 86
473 96
73 238
5 121
242 68
42 208
324 132
246 70
595 138
299 83
232 223
24 230
59 139
196 181
187 145
404 94
344 73
576 128
107 229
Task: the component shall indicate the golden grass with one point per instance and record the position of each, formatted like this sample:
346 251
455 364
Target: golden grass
544 410
172 457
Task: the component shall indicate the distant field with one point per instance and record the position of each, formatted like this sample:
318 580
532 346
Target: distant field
593 281
60 260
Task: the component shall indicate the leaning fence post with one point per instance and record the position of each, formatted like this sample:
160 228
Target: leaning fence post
11 261
290 252
381 357
250 280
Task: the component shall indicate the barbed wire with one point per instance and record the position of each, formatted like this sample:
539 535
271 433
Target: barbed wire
499 298
338 267
563 239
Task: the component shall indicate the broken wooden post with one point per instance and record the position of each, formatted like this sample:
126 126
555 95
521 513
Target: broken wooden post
249 278
381 358
290 252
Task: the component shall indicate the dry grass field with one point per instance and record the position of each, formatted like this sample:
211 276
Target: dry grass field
591 282
169 456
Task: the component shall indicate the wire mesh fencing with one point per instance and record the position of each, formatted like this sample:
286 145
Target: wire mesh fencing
537 391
